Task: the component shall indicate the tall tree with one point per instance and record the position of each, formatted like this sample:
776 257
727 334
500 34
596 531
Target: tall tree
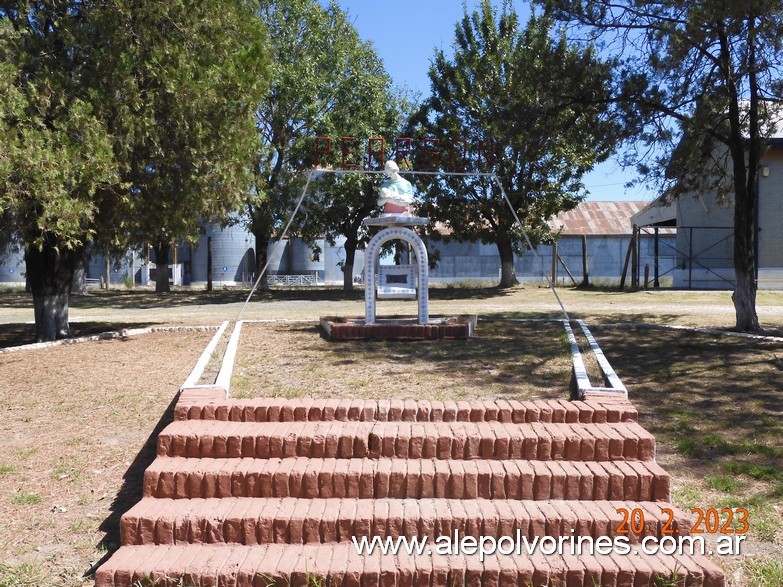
321 68
55 154
180 83
527 106
701 80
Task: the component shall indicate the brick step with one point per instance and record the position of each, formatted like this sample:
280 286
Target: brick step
339 564
305 409
441 440
245 520
182 478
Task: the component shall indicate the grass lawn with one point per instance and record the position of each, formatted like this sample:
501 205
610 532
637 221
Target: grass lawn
715 405
79 420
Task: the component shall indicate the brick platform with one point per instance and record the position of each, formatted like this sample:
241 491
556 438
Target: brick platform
271 491
403 329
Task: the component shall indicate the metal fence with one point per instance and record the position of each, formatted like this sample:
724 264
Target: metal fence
700 257
291 280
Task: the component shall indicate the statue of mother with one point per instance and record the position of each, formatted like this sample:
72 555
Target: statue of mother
396 192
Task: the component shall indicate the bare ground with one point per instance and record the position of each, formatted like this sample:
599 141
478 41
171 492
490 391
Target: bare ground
75 422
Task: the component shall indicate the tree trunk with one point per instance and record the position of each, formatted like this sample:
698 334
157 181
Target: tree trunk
745 187
744 296
585 274
79 282
50 273
508 276
262 255
162 267
350 257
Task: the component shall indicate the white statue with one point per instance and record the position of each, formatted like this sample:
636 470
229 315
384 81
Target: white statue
396 192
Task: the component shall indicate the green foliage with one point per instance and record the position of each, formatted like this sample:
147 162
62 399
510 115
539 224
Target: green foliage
55 153
700 86
121 122
22 575
753 470
533 101
26 498
722 483
342 202
764 572
179 84
325 80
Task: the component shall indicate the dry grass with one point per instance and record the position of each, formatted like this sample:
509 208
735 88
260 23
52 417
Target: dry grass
502 360
715 405
689 308
74 426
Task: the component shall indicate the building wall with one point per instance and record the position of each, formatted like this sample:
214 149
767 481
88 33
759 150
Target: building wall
705 239
12 267
770 213
605 259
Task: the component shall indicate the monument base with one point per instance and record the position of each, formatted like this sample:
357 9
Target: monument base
405 328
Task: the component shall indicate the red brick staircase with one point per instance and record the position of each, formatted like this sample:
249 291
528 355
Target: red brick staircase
271 492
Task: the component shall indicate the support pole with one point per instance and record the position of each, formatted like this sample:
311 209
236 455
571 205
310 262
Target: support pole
625 265
635 259
554 263
132 268
567 270
209 263
656 261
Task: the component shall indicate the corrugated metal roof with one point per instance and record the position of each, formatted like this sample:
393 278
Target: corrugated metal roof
597 218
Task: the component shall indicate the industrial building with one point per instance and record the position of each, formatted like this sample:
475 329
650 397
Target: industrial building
605 226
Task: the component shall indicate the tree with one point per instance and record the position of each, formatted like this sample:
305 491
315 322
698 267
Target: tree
56 161
321 68
525 104
342 202
180 83
697 81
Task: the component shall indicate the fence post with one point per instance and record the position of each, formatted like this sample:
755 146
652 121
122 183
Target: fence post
690 258
656 264
635 258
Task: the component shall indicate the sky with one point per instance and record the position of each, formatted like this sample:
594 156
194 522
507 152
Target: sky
405 35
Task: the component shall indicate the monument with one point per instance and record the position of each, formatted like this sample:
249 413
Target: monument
397 282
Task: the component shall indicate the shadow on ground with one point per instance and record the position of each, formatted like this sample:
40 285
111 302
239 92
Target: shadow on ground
502 359
20 334
122 299
592 318
716 398
131 491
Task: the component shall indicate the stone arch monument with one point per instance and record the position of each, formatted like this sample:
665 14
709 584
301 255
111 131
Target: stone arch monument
401 282
410 281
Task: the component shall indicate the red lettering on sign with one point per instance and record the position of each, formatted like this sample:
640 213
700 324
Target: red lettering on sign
348 152
320 149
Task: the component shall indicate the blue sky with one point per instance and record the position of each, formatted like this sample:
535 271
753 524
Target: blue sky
405 34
